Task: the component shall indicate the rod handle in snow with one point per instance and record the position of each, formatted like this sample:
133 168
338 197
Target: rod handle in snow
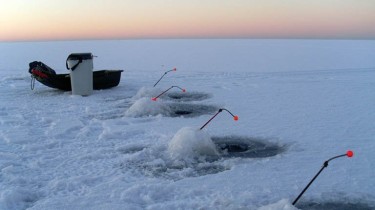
349 154
156 98
235 117
174 69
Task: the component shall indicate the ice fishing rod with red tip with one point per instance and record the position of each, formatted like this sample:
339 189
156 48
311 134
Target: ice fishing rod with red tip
349 154
156 98
235 117
174 69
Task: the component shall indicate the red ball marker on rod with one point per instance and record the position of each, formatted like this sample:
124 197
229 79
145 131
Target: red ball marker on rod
349 153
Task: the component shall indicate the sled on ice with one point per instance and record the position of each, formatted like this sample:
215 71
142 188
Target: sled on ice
102 79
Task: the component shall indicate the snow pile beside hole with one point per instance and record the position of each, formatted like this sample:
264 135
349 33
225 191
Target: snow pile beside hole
147 107
148 92
17 198
283 204
190 143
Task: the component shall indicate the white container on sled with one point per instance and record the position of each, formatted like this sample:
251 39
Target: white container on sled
81 73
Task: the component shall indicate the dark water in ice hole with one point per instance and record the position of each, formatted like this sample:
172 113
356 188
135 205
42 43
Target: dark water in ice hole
247 147
188 96
190 110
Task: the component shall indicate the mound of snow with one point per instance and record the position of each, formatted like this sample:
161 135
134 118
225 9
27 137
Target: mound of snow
147 107
189 143
17 198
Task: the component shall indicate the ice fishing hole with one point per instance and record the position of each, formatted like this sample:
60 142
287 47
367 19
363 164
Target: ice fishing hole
188 96
190 110
247 147
334 205
182 112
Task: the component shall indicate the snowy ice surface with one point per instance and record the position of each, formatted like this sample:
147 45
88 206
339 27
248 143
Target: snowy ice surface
118 149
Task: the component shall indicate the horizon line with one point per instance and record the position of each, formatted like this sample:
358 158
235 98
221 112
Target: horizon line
187 38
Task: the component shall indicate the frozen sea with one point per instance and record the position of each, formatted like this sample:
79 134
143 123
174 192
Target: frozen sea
299 103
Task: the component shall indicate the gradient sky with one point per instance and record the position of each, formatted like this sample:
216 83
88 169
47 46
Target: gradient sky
27 20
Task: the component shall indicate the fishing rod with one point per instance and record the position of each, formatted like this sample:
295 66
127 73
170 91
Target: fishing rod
156 98
235 117
349 154
174 69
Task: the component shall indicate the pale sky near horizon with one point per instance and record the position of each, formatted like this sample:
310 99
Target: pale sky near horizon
28 20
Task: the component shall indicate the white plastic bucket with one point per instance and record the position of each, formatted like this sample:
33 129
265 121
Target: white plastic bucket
81 73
